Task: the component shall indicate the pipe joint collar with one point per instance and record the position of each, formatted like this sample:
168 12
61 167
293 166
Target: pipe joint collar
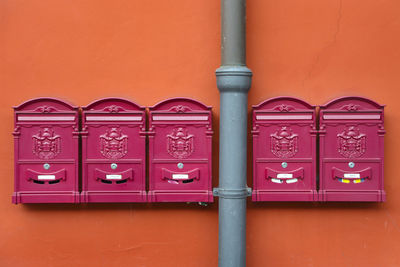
233 79
232 193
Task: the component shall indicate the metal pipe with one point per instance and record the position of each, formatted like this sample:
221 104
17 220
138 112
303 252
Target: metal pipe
233 32
233 81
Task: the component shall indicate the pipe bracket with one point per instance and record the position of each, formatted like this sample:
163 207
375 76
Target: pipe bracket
232 193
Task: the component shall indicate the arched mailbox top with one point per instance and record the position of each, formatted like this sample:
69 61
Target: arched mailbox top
114 110
180 105
283 108
352 104
113 105
45 105
283 104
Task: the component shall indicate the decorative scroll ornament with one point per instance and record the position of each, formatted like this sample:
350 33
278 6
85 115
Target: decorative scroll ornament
351 144
114 144
350 107
113 109
180 109
46 144
284 143
284 108
180 143
45 109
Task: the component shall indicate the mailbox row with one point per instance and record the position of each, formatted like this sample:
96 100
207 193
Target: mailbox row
110 159
340 148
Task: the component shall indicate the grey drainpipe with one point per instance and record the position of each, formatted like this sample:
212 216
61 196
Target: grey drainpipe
233 81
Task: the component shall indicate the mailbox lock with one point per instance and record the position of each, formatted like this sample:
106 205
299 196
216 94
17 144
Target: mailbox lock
46 166
284 164
180 165
352 164
114 166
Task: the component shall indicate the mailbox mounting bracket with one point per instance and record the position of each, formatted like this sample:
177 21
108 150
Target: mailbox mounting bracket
232 193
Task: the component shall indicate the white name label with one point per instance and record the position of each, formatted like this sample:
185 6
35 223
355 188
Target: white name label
283 117
284 175
180 176
113 177
352 175
179 118
46 177
113 118
352 117
46 118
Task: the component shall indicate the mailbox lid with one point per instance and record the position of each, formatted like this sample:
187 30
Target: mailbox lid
46 110
45 129
180 110
356 105
283 108
114 128
350 109
284 127
114 111
351 127
180 128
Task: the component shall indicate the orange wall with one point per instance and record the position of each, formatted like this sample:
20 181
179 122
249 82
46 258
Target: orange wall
151 50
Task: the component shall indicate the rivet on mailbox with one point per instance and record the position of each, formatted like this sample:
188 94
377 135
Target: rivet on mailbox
180 137
46 152
351 150
113 151
284 150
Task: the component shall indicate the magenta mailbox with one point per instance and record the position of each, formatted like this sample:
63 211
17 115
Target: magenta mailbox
284 150
46 152
180 137
113 151
351 150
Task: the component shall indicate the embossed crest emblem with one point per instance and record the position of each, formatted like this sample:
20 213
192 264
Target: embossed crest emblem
351 143
114 144
284 143
46 144
180 143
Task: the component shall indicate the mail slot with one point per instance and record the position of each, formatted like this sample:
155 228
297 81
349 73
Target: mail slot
351 150
180 137
113 151
46 152
284 150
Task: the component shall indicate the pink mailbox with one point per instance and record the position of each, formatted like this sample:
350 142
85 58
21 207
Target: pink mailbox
180 137
284 150
113 151
351 150
46 152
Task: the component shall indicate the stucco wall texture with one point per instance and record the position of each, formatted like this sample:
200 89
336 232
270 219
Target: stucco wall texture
148 51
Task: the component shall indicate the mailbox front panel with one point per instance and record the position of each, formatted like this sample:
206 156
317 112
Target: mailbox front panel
284 150
113 151
180 137
351 150
46 152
